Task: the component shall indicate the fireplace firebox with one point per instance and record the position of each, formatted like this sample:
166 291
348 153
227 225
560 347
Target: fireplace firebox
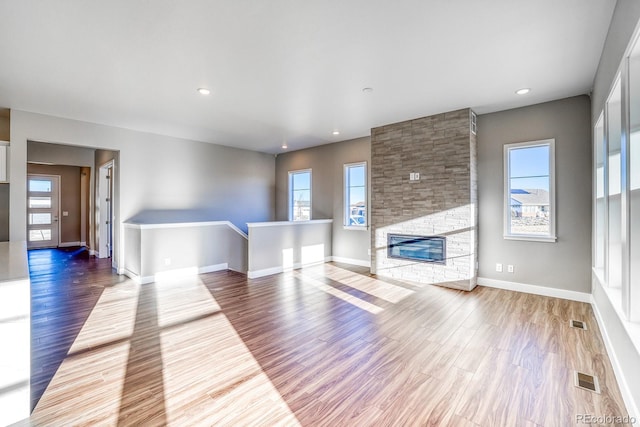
432 249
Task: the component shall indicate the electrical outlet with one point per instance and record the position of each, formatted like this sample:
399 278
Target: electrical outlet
510 268
416 176
499 268
167 261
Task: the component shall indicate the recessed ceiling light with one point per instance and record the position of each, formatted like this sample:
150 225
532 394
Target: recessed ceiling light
367 89
336 132
284 146
523 91
203 91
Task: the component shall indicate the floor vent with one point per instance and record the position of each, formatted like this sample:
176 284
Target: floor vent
578 324
587 382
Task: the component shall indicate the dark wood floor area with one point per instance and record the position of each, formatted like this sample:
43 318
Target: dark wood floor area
65 286
322 346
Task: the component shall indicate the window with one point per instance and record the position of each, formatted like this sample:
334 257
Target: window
529 191
614 186
355 195
300 195
600 200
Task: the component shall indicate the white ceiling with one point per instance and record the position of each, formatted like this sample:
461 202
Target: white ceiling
289 69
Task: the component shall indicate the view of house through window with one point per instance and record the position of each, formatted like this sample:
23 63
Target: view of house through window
355 194
300 195
529 190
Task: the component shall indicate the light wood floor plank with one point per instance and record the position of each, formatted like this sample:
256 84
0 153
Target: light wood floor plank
328 345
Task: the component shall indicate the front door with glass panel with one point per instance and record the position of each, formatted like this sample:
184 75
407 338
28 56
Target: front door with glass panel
42 211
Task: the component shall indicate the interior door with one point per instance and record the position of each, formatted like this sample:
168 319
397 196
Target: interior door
43 199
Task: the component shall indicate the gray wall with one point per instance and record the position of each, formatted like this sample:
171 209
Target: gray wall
156 172
281 246
327 163
59 154
565 264
154 250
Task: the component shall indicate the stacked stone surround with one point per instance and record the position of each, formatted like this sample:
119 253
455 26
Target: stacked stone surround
443 202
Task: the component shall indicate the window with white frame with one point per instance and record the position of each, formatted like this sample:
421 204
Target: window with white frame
355 195
300 195
529 191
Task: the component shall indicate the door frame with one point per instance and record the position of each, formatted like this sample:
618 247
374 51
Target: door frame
57 179
105 234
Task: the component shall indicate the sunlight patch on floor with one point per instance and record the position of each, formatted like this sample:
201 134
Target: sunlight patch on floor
306 280
111 320
210 376
378 288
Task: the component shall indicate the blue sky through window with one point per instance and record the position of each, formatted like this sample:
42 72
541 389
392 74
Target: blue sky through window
529 167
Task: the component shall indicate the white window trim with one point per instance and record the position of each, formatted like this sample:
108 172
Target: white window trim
290 191
345 199
551 238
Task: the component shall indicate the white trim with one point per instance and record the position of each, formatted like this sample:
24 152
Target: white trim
285 223
535 289
355 227
4 162
632 408
290 193
150 279
212 268
346 215
531 238
506 213
137 278
150 226
95 253
58 181
68 244
265 272
352 261
276 270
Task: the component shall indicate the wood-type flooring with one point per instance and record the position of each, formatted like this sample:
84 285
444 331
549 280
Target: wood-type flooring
328 345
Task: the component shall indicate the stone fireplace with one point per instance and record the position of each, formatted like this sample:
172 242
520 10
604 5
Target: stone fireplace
424 186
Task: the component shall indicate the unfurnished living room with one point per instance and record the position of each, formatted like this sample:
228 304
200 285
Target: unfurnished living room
320 213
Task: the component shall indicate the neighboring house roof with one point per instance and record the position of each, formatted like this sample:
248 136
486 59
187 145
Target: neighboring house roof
528 196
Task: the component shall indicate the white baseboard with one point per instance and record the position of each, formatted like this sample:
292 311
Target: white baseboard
276 270
135 277
69 244
265 272
143 280
212 268
95 253
535 289
352 261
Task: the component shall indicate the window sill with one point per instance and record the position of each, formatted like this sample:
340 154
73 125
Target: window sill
615 299
543 239
355 227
